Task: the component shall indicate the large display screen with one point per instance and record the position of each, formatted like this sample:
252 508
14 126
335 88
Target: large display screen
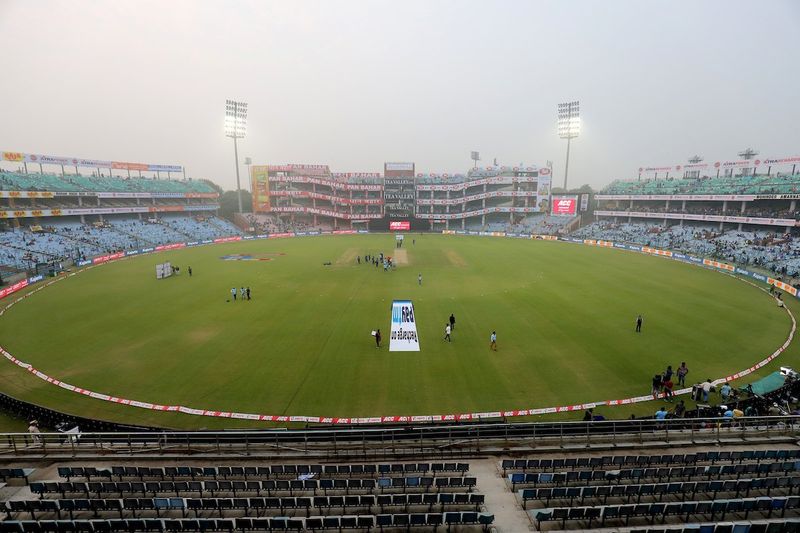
564 206
399 225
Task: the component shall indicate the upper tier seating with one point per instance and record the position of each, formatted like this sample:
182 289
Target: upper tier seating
18 181
777 184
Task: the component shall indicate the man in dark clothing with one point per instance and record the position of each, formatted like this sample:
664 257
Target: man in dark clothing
452 321
657 385
247 291
378 338
639 324
190 271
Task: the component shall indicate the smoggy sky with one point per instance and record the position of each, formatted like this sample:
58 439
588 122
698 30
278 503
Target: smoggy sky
356 83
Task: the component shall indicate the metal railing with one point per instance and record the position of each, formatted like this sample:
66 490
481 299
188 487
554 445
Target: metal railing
376 443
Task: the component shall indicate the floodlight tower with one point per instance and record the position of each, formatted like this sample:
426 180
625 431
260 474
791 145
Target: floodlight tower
236 128
569 126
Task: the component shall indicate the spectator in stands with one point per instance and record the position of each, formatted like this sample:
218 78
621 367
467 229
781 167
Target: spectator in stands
682 371
680 409
639 324
588 415
661 414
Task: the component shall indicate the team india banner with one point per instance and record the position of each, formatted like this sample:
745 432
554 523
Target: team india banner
404 327
259 181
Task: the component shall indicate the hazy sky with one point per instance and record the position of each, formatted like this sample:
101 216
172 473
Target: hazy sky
356 83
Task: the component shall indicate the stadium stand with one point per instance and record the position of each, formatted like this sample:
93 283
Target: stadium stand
776 252
18 181
777 184
275 497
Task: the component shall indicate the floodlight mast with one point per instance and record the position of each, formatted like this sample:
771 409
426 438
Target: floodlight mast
569 126
236 128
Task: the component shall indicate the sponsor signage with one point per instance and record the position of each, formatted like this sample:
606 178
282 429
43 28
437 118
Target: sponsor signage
403 337
399 166
564 206
310 170
584 202
399 225
786 222
347 175
45 159
259 183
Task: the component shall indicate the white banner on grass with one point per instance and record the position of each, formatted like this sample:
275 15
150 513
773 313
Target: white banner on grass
404 327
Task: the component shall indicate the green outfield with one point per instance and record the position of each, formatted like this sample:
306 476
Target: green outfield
564 316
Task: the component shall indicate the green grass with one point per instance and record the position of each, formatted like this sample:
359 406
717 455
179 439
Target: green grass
564 315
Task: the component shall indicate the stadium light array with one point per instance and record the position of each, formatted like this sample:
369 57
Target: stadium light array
569 127
236 128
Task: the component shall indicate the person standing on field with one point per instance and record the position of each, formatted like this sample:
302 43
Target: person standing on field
493 341
378 338
247 292
452 321
190 271
447 332
639 324
233 293
682 371
419 279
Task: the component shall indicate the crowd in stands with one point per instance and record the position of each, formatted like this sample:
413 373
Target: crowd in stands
776 252
264 223
776 184
535 225
19 181
60 240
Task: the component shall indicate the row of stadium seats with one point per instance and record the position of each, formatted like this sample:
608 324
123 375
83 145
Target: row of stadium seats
688 459
269 486
19 181
317 523
266 471
713 509
684 490
787 525
140 507
660 474
16 473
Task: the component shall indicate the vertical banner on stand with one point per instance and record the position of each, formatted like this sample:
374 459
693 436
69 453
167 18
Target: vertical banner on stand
259 181
404 327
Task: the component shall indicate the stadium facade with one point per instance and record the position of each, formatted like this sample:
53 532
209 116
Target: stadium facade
314 195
